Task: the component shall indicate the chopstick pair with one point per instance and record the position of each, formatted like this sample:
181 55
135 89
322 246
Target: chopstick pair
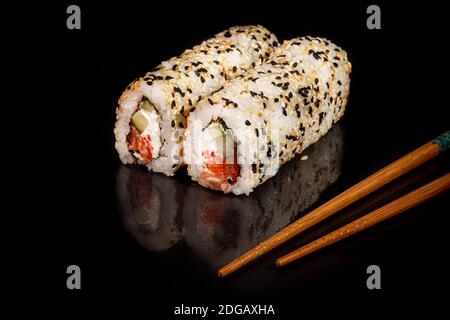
385 212
396 169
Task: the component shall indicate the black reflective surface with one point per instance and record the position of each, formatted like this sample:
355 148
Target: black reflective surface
145 250
160 212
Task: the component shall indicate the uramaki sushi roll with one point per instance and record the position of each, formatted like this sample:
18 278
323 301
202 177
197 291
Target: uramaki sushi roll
152 111
238 137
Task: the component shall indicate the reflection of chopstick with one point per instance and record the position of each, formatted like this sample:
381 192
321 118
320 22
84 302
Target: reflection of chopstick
391 209
403 165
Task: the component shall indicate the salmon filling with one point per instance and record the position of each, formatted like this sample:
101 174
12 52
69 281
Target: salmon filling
145 124
220 168
141 144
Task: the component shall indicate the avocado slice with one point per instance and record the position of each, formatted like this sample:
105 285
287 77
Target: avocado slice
139 121
146 105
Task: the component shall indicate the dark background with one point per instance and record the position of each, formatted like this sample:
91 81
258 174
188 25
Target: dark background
398 101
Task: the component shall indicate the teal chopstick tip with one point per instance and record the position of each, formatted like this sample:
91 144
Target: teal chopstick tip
443 141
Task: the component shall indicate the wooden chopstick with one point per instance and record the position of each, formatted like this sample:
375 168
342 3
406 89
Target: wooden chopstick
387 211
403 165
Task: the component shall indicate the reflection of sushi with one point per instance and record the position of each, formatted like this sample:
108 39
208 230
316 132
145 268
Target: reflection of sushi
152 111
239 136
216 226
221 227
149 207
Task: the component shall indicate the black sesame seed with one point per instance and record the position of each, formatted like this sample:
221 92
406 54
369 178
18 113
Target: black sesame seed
210 102
321 116
227 34
317 103
173 123
247 122
256 132
303 92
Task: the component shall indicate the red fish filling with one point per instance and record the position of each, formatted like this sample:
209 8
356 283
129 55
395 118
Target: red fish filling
140 143
219 176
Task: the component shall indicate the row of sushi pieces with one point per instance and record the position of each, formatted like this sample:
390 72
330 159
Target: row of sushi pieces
234 108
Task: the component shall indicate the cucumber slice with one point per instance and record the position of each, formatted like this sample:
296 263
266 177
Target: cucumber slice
139 121
217 138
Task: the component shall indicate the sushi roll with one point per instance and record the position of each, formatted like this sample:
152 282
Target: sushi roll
152 112
239 136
